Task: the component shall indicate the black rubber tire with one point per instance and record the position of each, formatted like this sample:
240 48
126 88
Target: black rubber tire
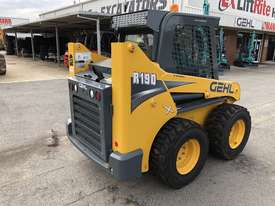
218 126
165 148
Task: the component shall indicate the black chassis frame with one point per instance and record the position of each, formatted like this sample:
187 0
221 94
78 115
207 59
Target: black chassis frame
122 166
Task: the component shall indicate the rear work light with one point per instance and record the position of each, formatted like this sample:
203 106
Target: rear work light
174 8
75 88
92 94
126 20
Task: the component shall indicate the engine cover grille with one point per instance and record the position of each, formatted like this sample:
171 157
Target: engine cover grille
91 118
87 122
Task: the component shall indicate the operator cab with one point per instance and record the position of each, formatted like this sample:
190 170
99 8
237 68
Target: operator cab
180 43
142 28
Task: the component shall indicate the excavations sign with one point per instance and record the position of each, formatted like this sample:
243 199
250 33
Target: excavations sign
134 5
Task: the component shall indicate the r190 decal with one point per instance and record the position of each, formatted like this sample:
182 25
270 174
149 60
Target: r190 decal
141 78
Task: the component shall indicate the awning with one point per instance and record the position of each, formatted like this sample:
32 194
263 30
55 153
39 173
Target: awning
67 23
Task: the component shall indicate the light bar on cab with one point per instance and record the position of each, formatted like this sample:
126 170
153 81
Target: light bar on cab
127 20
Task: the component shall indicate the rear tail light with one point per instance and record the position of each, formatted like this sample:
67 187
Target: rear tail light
98 96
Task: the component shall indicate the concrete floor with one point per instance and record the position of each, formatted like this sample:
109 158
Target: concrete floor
25 69
33 174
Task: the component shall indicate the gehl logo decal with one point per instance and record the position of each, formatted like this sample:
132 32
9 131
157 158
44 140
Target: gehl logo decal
141 78
221 87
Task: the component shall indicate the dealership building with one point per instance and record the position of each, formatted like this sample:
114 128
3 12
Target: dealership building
238 18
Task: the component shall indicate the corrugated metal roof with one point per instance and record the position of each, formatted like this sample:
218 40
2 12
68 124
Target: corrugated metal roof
67 22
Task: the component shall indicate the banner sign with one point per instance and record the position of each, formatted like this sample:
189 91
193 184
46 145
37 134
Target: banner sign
113 7
245 14
9 21
260 7
5 21
269 26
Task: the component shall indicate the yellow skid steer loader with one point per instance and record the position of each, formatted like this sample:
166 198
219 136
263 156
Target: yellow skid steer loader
157 104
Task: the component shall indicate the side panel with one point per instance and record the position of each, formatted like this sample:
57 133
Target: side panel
136 129
198 115
136 125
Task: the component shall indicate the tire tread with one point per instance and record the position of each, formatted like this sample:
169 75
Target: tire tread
215 125
164 140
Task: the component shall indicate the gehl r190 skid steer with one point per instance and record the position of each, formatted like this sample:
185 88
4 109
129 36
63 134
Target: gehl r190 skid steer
157 104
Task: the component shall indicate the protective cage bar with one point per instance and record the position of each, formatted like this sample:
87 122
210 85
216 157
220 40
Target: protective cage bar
192 53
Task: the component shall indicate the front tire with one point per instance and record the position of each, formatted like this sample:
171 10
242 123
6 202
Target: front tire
179 152
228 128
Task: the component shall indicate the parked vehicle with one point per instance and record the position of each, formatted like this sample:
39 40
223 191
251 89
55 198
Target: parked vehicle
2 46
3 66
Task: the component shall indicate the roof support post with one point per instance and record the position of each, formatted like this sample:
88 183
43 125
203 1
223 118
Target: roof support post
16 44
57 45
32 43
98 36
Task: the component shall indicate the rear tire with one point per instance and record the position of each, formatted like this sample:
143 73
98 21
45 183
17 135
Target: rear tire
228 128
179 152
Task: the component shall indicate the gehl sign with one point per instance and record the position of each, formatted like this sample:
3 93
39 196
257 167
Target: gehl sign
134 5
244 23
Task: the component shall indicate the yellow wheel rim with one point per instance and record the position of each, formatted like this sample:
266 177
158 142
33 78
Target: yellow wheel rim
237 134
188 156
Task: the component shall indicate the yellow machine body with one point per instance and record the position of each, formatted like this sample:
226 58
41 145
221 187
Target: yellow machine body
80 57
137 129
